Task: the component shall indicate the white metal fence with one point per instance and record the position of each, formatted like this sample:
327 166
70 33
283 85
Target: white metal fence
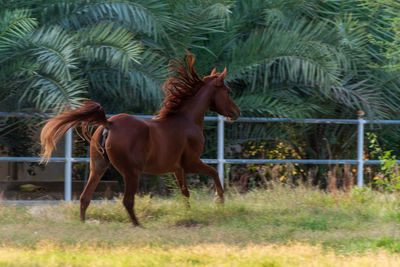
221 160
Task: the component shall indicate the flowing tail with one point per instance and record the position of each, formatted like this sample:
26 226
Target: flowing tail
91 114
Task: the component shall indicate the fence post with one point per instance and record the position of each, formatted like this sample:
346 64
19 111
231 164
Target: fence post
68 166
221 149
360 149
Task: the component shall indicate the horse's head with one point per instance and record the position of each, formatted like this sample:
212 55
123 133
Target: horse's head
221 101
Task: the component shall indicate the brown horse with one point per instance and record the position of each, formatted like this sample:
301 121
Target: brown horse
170 142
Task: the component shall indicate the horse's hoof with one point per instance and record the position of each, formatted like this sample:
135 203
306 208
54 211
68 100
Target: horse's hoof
219 200
187 205
135 223
138 225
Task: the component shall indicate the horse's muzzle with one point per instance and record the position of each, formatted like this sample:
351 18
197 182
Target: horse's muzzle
234 115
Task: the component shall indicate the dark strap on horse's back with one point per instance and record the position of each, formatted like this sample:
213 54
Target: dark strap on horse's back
103 141
105 135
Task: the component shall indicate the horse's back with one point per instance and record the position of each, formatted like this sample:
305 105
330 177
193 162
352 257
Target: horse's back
128 125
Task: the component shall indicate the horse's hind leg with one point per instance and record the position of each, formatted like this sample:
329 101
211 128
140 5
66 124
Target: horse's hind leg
98 165
131 179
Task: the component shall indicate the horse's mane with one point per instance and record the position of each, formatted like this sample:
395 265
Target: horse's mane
184 84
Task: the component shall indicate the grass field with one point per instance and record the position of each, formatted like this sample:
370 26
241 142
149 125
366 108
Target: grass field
279 227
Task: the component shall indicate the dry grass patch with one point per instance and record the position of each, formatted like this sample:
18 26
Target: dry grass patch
297 254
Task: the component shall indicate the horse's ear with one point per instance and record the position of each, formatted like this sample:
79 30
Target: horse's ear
221 78
213 72
223 74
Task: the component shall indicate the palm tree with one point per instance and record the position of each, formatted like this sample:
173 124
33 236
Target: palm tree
291 58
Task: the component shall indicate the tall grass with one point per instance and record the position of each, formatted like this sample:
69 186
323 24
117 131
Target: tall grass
261 222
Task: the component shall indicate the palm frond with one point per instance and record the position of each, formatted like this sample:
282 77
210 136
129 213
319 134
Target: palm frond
113 45
269 106
14 25
278 54
48 93
54 50
141 85
149 17
196 21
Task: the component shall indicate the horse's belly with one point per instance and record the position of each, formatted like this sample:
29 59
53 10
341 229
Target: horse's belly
160 167
159 162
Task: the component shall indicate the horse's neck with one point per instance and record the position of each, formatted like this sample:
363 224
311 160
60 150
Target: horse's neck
195 108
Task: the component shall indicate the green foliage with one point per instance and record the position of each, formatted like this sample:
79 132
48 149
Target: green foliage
302 51
13 26
391 244
386 35
390 176
38 63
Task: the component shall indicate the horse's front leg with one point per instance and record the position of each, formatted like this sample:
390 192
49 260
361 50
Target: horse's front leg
181 180
202 168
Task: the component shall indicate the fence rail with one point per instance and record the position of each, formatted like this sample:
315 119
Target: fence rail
221 160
